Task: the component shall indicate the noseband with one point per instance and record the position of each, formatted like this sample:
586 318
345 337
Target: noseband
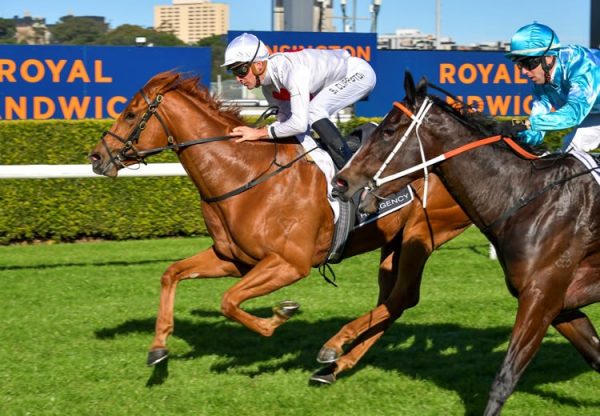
128 151
417 120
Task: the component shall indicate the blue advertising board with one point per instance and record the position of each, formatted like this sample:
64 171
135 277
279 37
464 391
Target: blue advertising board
363 45
485 79
76 82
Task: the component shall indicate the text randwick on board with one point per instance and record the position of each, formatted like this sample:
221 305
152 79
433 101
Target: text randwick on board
32 71
496 105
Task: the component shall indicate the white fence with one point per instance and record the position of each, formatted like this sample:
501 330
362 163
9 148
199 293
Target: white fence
85 171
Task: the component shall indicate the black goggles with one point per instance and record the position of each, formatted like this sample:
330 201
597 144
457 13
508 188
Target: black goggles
529 63
241 70
532 62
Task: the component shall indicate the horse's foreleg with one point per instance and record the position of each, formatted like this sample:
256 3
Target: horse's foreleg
271 273
388 275
204 264
407 264
328 374
575 326
537 309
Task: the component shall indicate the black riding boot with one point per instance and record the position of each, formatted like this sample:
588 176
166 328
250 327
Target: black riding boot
333 141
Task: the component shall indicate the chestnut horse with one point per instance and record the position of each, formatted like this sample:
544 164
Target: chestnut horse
542 215
264 205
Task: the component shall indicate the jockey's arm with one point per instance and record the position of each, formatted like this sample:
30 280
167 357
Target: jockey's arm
249 133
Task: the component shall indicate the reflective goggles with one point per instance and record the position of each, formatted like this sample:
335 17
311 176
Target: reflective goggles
241 70
529 63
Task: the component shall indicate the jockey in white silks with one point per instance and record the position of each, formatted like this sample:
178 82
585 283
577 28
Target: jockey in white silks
308 87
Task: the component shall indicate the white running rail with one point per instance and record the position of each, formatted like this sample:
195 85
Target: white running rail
85 171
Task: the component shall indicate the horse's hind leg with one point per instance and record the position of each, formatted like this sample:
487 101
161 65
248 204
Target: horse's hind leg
204 264
538 307
332 350
575 326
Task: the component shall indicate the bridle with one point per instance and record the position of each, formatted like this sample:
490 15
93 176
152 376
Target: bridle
129 151
417 121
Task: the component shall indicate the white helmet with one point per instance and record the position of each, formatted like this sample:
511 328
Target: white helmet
245 48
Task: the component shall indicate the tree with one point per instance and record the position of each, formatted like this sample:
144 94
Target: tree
127 34
7 31
73 30
217 44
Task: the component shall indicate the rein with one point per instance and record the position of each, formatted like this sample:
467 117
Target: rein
129 152
417 120
260 179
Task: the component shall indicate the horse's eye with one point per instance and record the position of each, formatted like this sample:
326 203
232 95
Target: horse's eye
388 133
129 115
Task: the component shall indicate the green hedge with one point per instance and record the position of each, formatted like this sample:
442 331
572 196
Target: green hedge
72 209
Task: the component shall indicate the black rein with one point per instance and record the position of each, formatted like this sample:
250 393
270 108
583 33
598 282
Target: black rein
140 155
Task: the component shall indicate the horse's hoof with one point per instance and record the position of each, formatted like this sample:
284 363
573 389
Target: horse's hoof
156 356
286 309
328 355
324 377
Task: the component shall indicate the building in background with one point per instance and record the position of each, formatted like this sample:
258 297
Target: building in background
303 16
415 39
409 39
192 20
31 30
594 24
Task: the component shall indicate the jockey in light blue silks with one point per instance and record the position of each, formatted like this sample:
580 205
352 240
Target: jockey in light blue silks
566 79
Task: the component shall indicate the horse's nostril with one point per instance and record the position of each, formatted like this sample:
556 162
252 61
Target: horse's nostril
341 184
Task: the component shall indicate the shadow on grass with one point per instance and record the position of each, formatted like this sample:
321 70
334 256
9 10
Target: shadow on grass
479 249
454 357
86 264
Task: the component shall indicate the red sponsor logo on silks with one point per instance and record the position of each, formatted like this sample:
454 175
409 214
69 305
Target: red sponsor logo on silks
284 95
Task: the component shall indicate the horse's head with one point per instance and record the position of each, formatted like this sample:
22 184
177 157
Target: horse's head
374 160
168 110
137 128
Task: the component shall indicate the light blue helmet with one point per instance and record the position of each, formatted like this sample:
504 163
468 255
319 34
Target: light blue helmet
533 40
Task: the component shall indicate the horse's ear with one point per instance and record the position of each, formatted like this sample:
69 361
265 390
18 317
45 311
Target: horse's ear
422 87
409 88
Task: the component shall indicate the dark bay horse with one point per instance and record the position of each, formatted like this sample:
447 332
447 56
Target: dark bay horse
270 234
542 215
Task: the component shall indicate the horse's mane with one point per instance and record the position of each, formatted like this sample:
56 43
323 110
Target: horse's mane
479 123
171 80
476 121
